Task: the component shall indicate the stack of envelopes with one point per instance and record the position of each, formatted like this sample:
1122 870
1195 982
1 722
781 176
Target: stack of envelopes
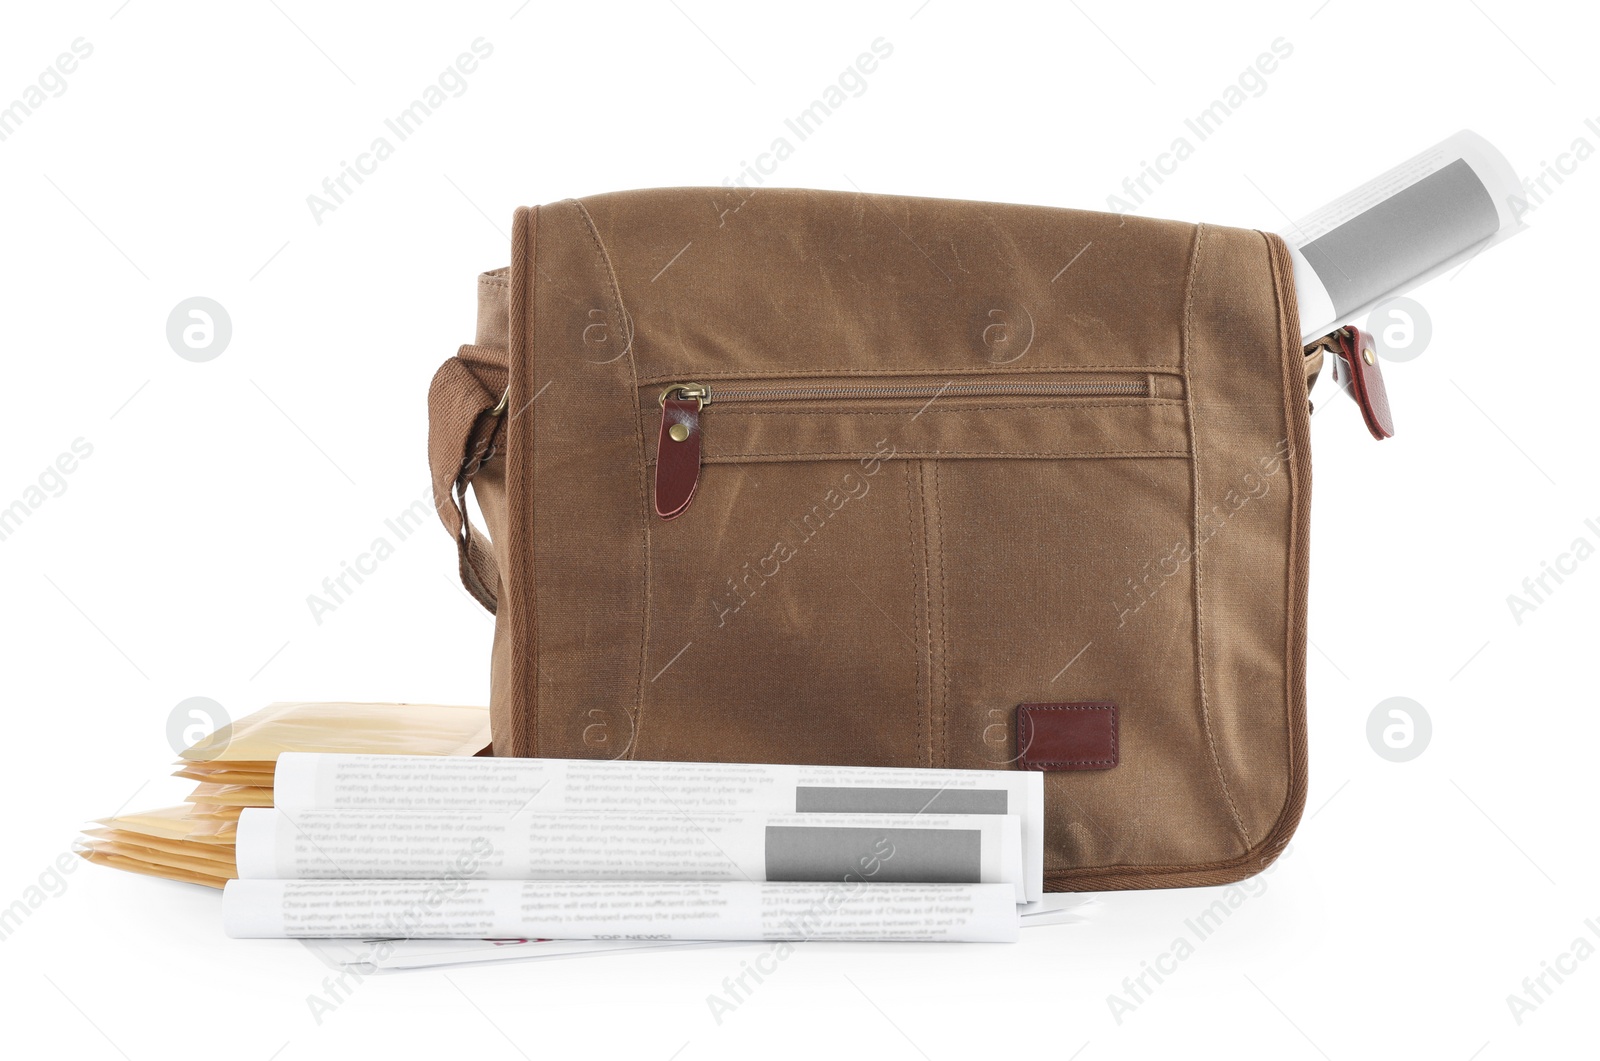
194 842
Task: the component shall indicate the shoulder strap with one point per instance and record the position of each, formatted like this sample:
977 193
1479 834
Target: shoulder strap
466 426
466 423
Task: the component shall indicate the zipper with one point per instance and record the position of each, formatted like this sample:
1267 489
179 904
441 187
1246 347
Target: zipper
679 442
1136 388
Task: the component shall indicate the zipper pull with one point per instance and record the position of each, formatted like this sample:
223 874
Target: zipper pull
678 447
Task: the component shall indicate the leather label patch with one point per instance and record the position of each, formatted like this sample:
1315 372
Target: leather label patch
1075 736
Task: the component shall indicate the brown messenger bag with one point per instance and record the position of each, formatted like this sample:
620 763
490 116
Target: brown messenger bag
833 478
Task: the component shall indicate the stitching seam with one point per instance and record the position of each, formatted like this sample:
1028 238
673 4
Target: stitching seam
944 631
966 370
911 555
804 455
644 492
927 600
1199 594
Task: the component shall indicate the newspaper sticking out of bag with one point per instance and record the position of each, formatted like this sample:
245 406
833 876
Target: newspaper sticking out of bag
1402 228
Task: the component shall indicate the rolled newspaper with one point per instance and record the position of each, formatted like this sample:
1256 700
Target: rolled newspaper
639 910
1401 229
398 844
366 783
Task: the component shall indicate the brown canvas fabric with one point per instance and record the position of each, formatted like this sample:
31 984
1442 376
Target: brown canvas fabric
864 578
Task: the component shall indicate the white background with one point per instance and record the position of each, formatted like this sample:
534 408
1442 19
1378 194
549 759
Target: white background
1417 895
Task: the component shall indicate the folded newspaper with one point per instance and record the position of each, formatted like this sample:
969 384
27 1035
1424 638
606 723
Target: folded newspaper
438 842
440 848
382 954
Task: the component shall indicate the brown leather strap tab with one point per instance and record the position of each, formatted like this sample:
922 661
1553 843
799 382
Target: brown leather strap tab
465 421
1354 349
1359 356
677 455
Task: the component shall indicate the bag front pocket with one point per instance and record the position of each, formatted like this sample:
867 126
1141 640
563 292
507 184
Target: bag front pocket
833 420
799 608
